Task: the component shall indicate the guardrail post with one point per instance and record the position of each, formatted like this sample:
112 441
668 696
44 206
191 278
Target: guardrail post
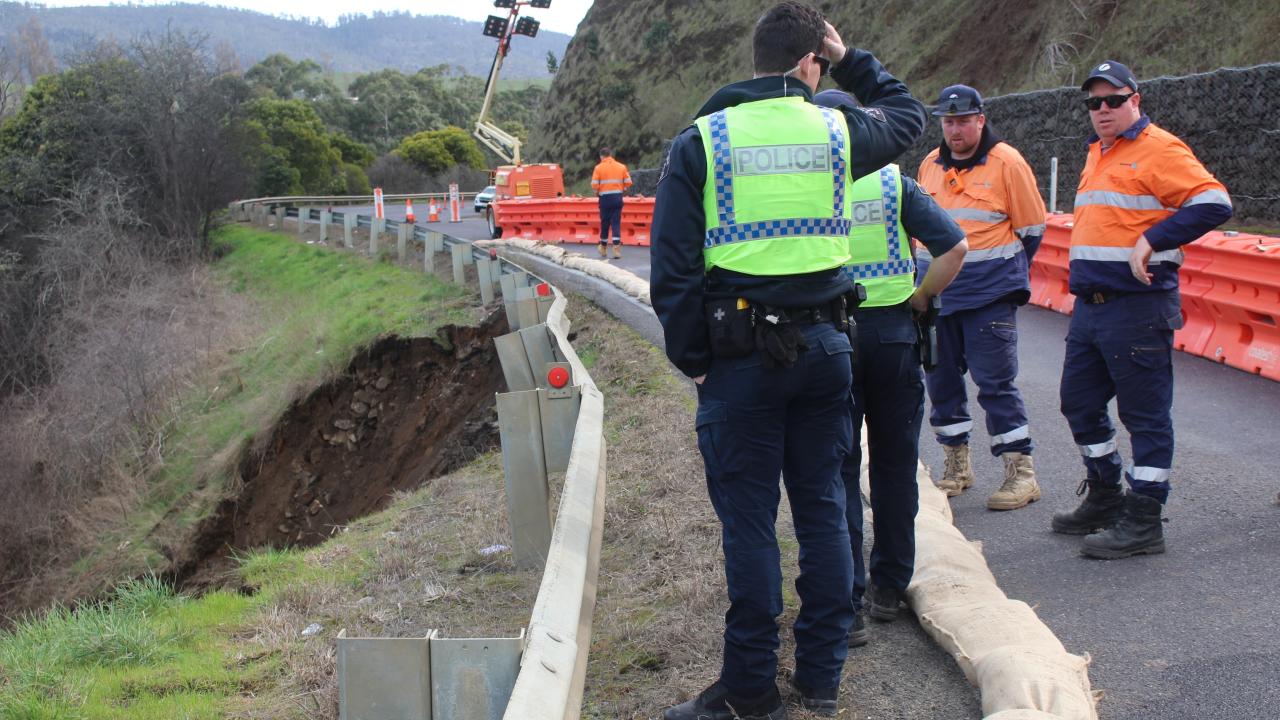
402 241
376 229
348 228
326 217
484 269
525 468
384 678
459 272
473 677
281 213
304 214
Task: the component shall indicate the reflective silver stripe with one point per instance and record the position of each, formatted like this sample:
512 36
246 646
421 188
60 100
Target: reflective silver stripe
1099 450
1149 474
977 215
1120 200
1018 433
1023 232
1217 197
1000 252
1121 254
953 430
600 182
610 192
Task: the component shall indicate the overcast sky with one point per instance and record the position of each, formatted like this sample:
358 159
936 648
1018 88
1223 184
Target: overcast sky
563 15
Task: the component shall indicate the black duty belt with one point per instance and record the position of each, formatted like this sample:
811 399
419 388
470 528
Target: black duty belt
808 315
1102 296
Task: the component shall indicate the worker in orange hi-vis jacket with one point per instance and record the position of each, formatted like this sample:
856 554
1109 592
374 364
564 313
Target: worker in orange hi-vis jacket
1142 196
609 179
987 187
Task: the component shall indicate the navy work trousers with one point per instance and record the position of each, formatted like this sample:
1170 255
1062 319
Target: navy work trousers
984 343
755 424
888 391
1123 348
610 218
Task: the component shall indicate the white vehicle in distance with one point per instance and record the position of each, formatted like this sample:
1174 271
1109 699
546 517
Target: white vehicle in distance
484 197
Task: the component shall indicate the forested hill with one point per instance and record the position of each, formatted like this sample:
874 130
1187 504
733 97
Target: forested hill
637 70
358 43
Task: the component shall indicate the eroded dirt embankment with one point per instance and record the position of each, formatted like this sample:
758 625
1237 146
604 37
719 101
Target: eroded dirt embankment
405 411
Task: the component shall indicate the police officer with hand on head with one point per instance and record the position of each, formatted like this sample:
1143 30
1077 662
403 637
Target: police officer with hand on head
750 234
888 210
1142 196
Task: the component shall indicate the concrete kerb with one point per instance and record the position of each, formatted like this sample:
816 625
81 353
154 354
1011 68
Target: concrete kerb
1021 668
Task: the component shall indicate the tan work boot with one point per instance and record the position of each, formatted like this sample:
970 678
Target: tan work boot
617 251
957 473
604 253
1020 487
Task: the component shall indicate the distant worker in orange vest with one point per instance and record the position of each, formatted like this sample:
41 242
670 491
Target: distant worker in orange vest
1142 196
987 187
609 179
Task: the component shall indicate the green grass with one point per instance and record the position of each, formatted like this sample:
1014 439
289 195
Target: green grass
317 308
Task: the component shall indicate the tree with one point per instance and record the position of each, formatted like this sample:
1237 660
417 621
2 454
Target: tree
294 127
553 65
280 76
32 53
435 151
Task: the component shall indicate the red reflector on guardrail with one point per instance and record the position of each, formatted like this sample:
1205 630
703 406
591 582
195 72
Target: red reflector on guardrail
543 290
558 377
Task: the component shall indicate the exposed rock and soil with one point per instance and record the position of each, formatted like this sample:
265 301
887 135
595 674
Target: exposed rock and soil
405 411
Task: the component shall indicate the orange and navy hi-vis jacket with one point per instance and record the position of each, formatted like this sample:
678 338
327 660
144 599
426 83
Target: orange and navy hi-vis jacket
1148 183
997 204
610 177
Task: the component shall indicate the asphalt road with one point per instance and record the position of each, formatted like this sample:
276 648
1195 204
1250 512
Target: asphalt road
1187 635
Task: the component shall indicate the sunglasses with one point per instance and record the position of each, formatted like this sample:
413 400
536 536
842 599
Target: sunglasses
1112 101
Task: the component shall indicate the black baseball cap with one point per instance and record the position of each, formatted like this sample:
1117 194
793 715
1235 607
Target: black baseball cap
958 100
1114 73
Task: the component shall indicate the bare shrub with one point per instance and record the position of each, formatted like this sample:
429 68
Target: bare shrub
396 175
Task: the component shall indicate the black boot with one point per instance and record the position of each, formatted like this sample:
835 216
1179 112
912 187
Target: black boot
715 703
1140 531
823 702
1100 509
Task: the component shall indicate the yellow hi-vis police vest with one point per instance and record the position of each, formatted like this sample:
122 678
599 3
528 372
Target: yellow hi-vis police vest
774 198
879 248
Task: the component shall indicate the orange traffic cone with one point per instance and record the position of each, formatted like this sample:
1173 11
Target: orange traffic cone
433 212
408 210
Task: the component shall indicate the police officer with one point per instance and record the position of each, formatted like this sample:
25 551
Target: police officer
1142 196
609 179
888 389
986 185
750 232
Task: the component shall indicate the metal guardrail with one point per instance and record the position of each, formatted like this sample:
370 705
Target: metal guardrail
549 685
343 199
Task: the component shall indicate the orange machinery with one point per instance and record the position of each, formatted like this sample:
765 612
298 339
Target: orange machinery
522 182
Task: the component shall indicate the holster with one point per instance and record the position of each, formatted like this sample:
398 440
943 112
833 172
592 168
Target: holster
730 323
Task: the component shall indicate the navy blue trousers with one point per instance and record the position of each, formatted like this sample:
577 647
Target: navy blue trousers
888 391
984 343
1123 349
610 218
755 424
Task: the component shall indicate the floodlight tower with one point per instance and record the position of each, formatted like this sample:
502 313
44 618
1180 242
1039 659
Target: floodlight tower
503 143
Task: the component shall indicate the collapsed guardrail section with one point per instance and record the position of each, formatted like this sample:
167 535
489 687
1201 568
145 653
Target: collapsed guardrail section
550 421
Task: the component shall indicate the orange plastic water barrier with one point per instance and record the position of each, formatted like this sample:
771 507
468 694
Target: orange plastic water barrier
1230 283
574 220
1230 287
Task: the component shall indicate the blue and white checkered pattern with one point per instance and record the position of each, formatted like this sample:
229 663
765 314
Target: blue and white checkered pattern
723 170
766 229
731 232
837 160
896 264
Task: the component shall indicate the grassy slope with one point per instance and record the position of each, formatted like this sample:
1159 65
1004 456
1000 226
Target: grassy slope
317 309
999 46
